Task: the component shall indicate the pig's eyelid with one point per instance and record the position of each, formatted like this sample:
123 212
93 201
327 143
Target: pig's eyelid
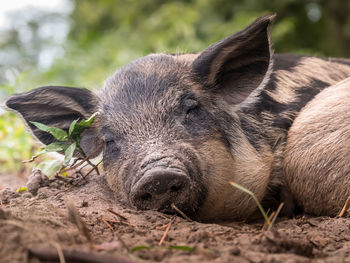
191 103
109 142
107 133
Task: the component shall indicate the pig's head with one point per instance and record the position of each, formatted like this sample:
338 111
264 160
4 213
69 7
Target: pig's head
169 126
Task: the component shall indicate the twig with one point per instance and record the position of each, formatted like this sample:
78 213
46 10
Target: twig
87 157
344 207
266 222
275 216
59 252
94 167
121 222
166 232
49 254
180 212
115 233
32 159
115 213
76 160
81 168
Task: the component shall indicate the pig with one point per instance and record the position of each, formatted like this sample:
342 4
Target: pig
177 128
316 158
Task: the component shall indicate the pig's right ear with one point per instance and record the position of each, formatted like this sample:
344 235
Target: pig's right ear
237 65
57 106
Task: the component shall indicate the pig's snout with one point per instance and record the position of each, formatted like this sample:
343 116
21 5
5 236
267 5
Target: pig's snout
158 188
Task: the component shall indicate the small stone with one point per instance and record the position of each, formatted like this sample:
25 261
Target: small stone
235 251
3 214
6 195
37 180
27 195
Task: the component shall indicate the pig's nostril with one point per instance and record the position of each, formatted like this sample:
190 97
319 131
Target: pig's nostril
146 197
175 188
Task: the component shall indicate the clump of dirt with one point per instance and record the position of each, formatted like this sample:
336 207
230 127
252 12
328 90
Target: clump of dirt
82 220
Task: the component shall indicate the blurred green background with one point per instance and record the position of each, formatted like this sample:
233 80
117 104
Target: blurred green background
81 42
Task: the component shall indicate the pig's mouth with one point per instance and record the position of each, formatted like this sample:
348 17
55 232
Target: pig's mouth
168 185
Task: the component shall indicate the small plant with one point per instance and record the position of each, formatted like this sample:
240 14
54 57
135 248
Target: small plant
267 220
21 189
67 142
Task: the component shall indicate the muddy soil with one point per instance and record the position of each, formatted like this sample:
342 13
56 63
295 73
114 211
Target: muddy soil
81 220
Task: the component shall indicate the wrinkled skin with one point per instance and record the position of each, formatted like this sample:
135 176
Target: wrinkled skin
176 129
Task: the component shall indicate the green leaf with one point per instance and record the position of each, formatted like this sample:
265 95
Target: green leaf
68 154
183 248
134 249
76 128
49 168
88 122
58 133
72 126
55 147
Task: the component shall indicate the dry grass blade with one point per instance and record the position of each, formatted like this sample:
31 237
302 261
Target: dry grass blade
270 218
166 232
75 218
59 252
275 216
180 212
117 214
342 212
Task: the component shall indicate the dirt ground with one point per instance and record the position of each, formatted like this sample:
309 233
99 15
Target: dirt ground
77 220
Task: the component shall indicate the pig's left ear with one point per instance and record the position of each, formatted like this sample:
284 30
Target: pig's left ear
57 106
237 65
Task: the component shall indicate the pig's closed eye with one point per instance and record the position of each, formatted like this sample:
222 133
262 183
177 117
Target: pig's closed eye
191 107
192 111
112 148
110 142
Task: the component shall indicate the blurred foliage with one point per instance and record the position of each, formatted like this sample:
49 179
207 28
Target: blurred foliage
15 144
82 47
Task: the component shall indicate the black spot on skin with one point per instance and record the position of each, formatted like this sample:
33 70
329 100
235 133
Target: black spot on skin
251 133
304 95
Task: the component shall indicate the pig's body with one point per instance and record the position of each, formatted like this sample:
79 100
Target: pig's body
176 129
317 152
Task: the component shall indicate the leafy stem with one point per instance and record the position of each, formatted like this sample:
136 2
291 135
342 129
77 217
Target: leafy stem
67 142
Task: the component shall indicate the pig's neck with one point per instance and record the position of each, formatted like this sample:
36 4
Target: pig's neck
294 82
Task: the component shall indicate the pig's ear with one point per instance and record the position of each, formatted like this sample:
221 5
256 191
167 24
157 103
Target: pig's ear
57 107
237 65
